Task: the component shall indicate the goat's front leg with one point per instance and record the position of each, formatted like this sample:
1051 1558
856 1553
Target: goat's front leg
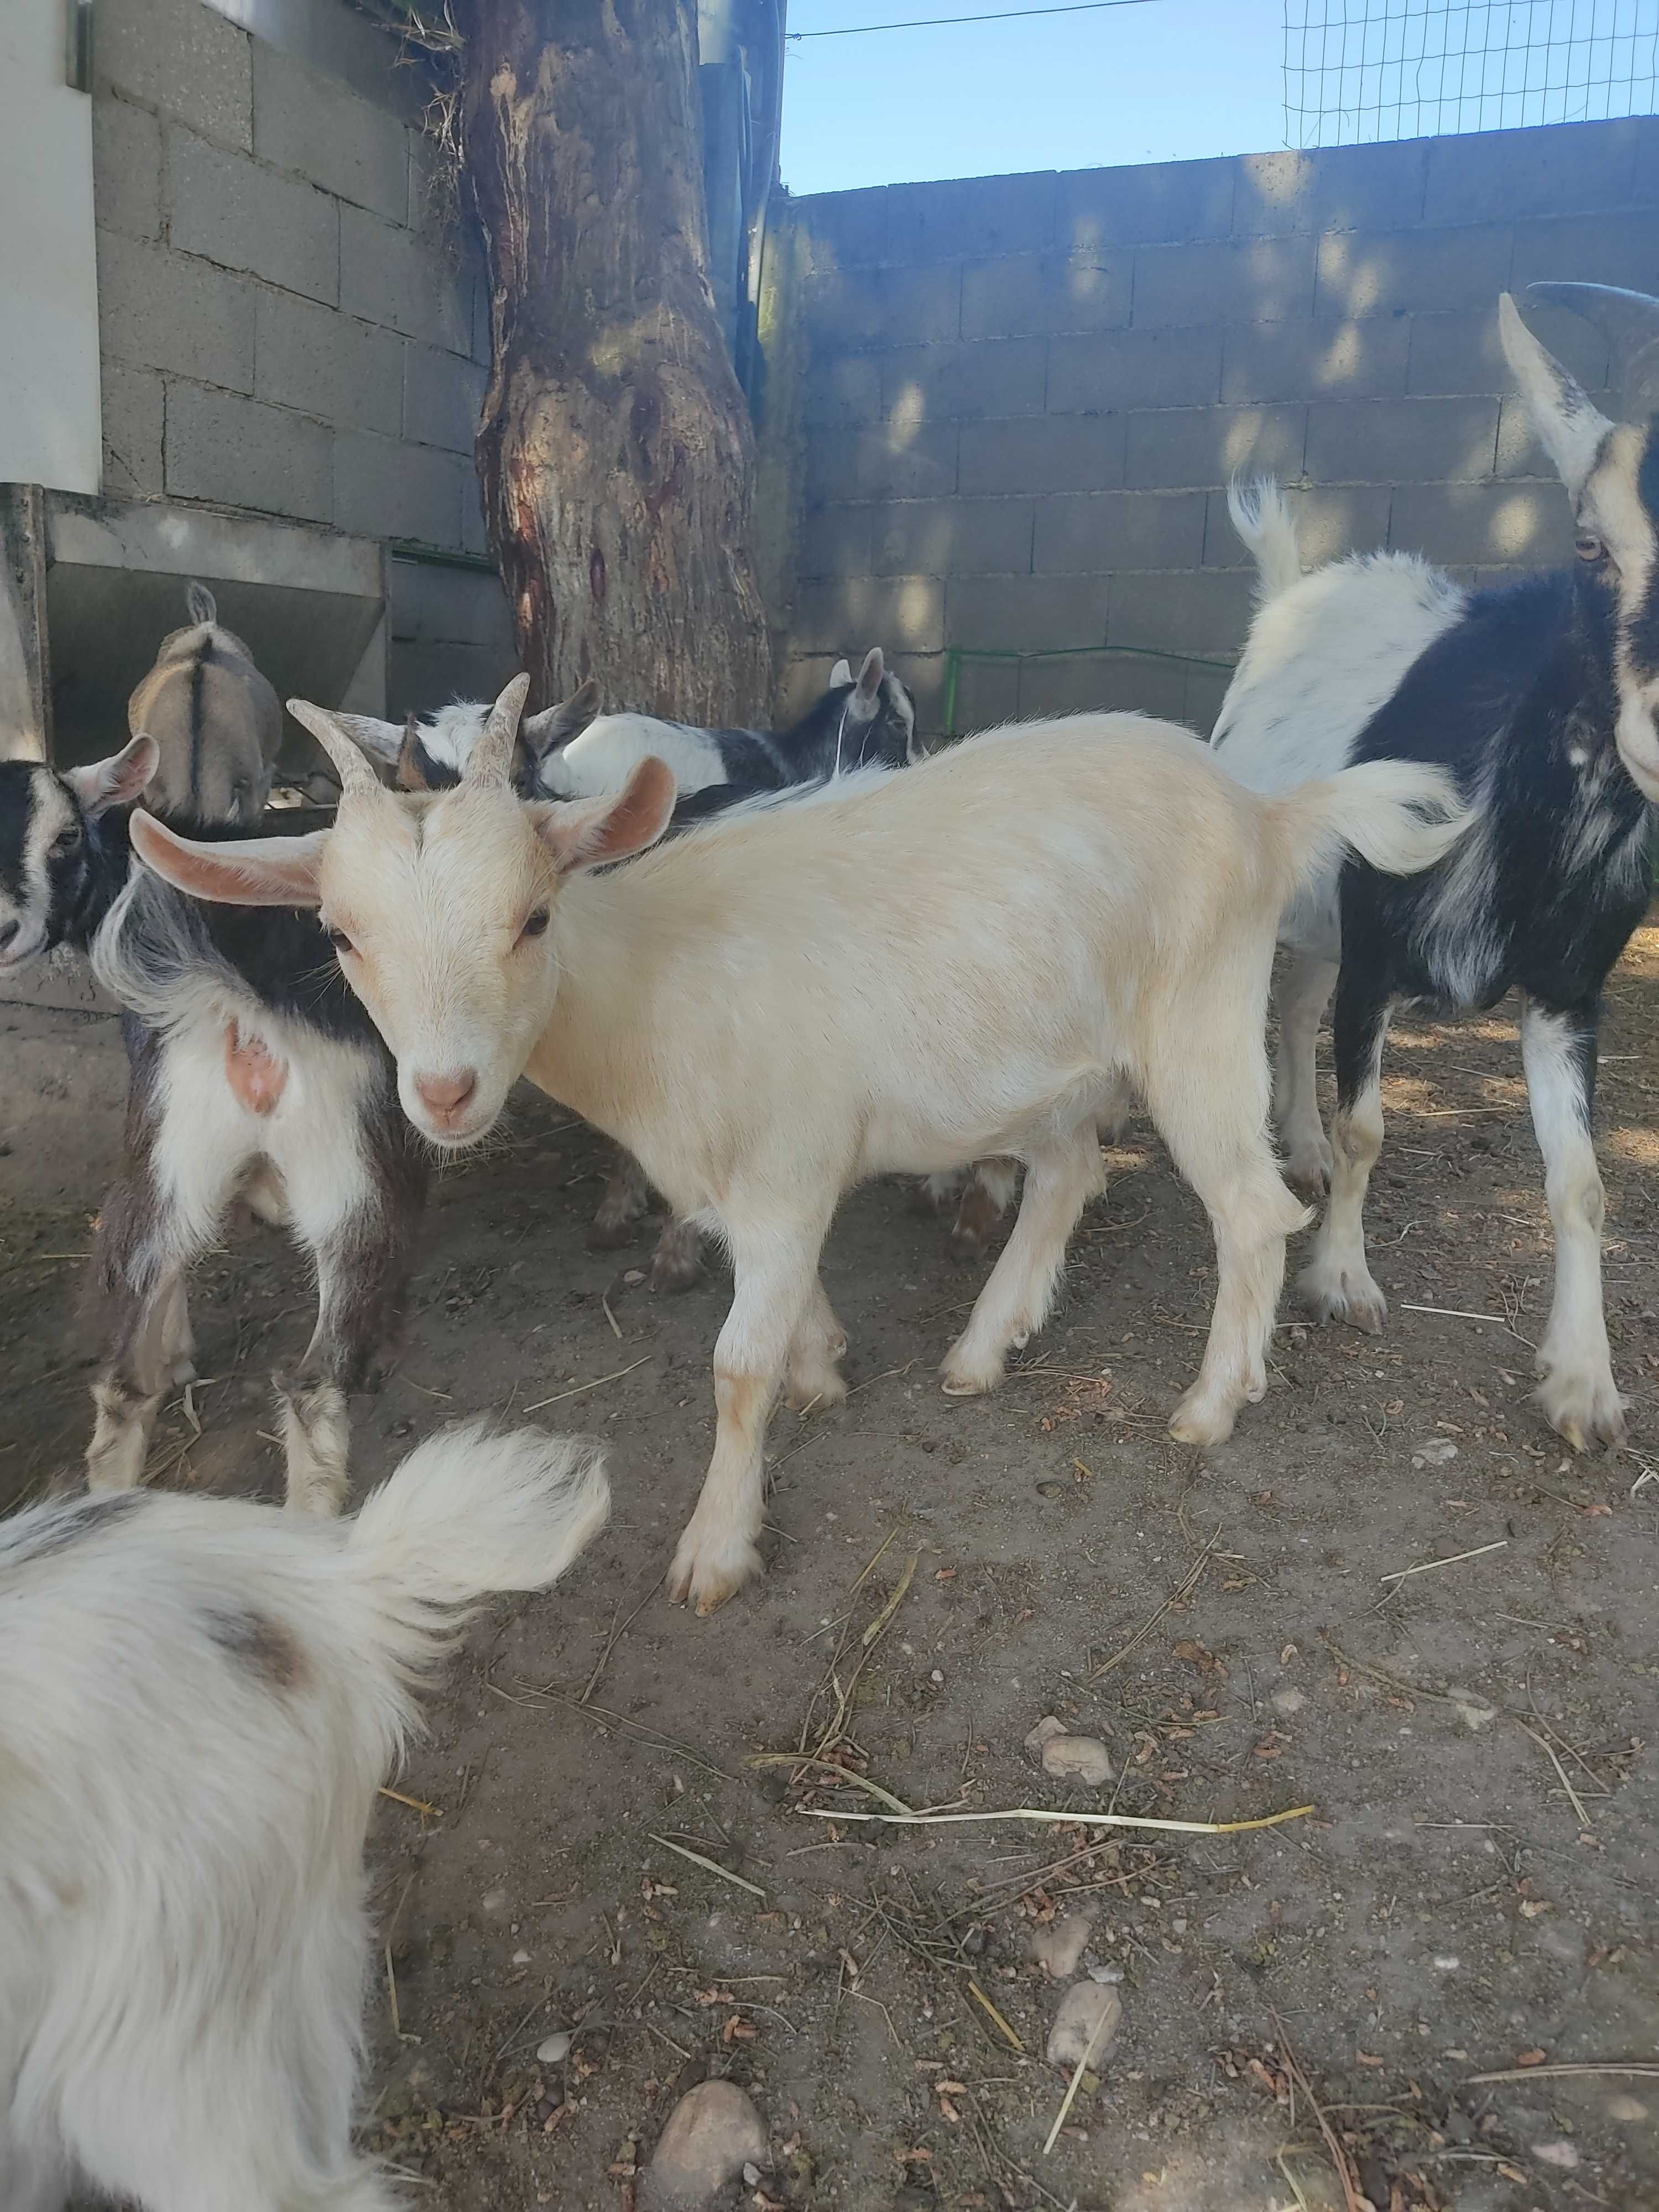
1576 1389
1337 1281
814 1377
775 1268
1060 1181
1308 984
360 1227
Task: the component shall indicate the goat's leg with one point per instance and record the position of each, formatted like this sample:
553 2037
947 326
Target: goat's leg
127 1396
814 1377
935 1193
774 1267
1308 984
626 1200
1060 1179
677 1263
1337 1281
987 1192
1576 1389
177 1339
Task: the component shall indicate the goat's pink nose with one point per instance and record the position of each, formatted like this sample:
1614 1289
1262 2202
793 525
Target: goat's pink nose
447 1094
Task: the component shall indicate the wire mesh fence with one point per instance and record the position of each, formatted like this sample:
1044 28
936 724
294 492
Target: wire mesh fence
1364 70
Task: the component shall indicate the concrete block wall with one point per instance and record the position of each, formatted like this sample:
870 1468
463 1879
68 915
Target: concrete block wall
291 322
1026 395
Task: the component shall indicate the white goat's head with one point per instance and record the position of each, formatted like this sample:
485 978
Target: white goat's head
438 905
1611 471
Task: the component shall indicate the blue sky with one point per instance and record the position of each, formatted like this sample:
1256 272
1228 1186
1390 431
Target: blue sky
1169 80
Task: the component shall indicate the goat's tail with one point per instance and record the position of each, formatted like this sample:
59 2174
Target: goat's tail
468 1513
1264 523
1400 816
200 604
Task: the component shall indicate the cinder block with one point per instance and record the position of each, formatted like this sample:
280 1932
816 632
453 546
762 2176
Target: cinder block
232 211
900 460
1308 360
1142 205
133 404
183 58
1207 613
323 363
385 489
1378 273
1209 445
844 229
313 126
842 390
1498 175
1331 520
399 280
1519 453
1042 453
849 614
805 680
1339 188
1102 683
972 215
988 695
449 606
1603 249
1133 368
126 168
1513 525
986 376
1026 614
420 676
240 454
1462 353
954 537
1119 530
1401 440
442 395
160 310
923 676
837 541
1235 279
864 306
1029 293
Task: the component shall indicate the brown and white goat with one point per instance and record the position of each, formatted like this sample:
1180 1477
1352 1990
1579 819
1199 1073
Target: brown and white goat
217 722
908 973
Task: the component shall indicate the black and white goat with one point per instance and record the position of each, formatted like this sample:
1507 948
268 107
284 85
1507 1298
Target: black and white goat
198 1698
570 752
253 1073
216 720
1542 698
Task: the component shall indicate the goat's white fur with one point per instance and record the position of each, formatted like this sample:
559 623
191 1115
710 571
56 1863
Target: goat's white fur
198 1698
907 973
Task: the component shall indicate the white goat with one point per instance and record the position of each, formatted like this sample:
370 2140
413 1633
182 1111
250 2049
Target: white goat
199 1698
909 972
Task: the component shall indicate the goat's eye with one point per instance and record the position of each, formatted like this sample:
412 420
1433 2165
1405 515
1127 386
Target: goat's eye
339 940
66 839
1588 546
535 924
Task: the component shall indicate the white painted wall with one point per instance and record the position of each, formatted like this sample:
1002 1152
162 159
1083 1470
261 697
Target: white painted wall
50 431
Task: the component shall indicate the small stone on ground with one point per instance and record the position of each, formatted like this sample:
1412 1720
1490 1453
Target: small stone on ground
711 2134
1082 2010
1077 1758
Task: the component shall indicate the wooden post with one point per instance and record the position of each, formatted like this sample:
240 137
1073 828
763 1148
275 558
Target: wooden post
25 658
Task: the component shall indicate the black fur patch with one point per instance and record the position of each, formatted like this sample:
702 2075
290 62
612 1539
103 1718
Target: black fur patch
257 1642
46 1530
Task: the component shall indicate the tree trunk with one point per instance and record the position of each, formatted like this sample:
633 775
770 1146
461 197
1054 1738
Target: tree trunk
615 449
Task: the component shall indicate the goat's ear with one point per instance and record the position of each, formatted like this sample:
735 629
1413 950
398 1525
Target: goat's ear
382 741
841 673
586 833
867 692
414 762
115 782
1569 426
260 872
554 726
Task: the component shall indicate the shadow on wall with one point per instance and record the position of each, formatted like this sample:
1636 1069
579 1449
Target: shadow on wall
1025 395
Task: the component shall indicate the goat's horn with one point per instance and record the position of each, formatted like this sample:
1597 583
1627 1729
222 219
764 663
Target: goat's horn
492 756
1629 321
356 776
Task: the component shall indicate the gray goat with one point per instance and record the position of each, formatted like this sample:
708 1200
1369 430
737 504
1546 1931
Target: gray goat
217 721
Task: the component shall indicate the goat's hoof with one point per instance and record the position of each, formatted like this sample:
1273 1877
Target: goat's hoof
181 1372
967 1243
1201 1419
1344 1294
674 1273
706 1578
1308 1166
608 1234
1583 1409
962 1377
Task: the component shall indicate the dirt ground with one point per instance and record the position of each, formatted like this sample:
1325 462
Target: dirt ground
1471 1894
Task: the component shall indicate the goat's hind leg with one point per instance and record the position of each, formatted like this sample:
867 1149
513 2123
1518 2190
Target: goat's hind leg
987 1192
627 1199
1576 1391
1337 1281
1309 981
1060 1178
677 1263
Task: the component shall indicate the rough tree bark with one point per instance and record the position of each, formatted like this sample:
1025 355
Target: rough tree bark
615 451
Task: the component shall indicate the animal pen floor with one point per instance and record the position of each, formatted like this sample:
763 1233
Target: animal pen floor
944 1573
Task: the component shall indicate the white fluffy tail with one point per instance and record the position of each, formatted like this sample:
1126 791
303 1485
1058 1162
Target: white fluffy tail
469 1512
1264 523
1400 816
